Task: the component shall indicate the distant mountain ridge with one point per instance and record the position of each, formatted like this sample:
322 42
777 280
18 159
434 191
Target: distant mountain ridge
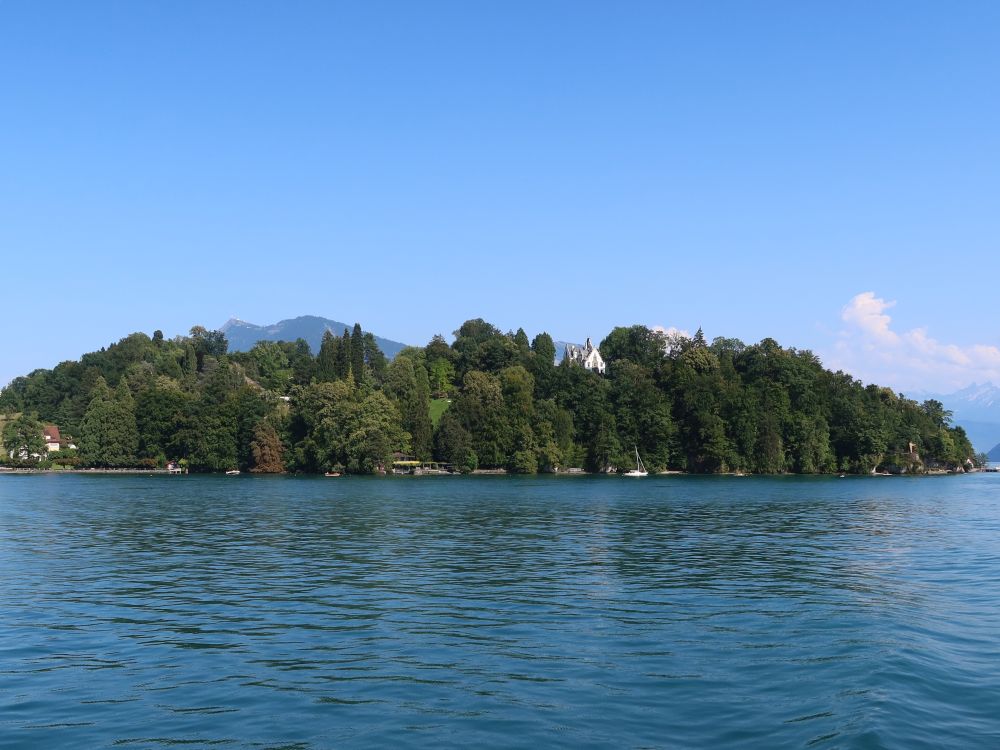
977 409
561 349
994 454
243 335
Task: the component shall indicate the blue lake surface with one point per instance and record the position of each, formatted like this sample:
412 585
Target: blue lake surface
578 612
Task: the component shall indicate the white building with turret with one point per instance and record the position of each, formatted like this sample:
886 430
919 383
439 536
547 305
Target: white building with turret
587 356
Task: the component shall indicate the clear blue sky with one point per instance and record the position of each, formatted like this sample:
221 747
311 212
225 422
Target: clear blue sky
746 167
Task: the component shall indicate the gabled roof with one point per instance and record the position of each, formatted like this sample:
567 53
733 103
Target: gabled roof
51 433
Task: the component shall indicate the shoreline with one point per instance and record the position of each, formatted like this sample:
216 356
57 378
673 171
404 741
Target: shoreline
6 470
477 473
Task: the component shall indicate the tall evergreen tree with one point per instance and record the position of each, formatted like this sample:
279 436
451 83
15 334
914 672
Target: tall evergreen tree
328 359
109 436
358 354
344 356
481 411
406 382
544 349
374 358
523 347
420 428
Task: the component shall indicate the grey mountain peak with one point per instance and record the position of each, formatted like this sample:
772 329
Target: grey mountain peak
243 335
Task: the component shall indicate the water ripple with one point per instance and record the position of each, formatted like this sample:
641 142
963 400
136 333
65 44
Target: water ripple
576 612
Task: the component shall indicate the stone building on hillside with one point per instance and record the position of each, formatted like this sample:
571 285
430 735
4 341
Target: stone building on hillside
587 356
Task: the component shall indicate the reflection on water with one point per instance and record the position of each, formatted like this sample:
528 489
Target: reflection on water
574 612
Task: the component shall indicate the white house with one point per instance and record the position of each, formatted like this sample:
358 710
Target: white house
50 434
587 356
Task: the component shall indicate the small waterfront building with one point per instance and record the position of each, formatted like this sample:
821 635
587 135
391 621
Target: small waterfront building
50 434
586 356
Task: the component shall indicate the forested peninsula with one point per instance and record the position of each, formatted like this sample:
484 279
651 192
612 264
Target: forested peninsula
489 400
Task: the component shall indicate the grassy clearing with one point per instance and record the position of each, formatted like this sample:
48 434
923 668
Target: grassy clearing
438 407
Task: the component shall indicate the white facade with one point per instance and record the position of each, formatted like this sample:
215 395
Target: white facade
50 435
587 356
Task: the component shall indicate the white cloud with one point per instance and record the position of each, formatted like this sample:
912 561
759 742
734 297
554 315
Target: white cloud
867 312
870 349
671 332
673 337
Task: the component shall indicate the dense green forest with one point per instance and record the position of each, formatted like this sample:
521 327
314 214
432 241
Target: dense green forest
686 404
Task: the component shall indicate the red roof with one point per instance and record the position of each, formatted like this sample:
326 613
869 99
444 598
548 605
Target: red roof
51 433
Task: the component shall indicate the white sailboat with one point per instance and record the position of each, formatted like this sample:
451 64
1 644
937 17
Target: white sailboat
639 470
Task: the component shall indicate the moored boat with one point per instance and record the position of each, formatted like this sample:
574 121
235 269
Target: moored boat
639 470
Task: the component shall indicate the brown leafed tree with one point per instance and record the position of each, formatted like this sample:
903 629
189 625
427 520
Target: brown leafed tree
267 450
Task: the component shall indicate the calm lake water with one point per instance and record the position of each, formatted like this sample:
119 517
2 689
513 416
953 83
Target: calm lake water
499 612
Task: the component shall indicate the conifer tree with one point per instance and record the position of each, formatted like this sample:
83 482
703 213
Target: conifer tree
344 356
523 347
328 358
544 349
190 361
109 436
358 353
420 428
374 358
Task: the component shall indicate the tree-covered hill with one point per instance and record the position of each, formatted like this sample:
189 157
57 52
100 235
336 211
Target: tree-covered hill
684 403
